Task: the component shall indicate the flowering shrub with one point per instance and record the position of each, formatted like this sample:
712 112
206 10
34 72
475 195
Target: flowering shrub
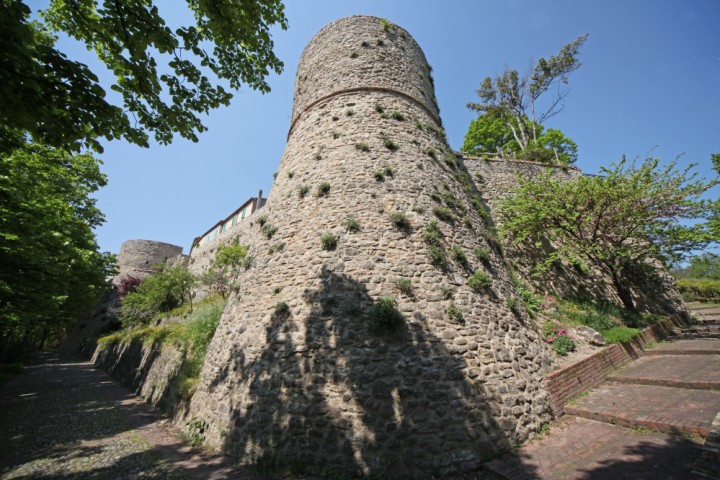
556 335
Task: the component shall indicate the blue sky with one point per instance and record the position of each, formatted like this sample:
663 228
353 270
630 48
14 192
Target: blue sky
650 79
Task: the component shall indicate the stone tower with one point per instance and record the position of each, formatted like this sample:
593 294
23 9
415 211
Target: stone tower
370 208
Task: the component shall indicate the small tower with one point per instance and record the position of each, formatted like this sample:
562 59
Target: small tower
385 336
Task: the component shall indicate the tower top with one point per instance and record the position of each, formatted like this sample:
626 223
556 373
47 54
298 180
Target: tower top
360 53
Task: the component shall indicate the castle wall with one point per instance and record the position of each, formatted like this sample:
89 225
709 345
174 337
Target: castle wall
315 385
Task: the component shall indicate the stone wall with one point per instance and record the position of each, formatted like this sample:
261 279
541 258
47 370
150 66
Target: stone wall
315 385
138 257
653 290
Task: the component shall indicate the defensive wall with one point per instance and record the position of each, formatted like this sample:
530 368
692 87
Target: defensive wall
297 372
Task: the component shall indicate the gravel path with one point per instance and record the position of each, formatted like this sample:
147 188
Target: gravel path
62 418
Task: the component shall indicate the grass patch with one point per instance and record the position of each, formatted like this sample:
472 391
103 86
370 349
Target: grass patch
620 334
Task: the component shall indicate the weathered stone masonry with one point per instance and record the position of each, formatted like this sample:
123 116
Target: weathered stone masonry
316 386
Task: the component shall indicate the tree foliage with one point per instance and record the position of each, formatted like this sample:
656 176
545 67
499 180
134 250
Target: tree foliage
514 99
626 217
166 78
225 269
705 265
170 287
51 270
489 133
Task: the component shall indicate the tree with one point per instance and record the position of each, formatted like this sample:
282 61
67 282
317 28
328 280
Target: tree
625 218
161 74
168 288
51 270
706 265
489 133
514 99
226 268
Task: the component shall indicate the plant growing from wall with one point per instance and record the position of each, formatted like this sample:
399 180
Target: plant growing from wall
479 281
222 275
269 230
379 175
385 315
303 191
323 189
444 214
458 255
329 241
404 285
388 143
363 147
400 220
454 312
281 310
351 225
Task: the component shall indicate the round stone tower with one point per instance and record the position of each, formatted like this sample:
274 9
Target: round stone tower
377 331
137 258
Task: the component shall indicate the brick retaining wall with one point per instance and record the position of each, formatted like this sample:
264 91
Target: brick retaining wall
567 382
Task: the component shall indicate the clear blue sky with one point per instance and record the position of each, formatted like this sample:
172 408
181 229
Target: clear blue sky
650 76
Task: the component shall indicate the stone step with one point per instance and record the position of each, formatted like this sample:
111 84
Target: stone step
691 371
686 347
664 409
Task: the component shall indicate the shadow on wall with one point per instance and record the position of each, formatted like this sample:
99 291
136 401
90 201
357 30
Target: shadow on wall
347 400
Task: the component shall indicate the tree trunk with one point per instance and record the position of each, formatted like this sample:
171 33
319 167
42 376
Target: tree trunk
623 292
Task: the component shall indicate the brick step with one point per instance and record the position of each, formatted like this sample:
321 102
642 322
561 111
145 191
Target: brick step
695 336
664 409
698 372
686 347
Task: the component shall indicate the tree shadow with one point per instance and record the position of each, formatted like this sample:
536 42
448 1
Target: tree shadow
326 394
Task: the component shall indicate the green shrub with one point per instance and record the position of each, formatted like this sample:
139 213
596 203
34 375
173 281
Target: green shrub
563 345
432 234
389 144
323 189
482 254
397 116
269 230
447 292
379 175
458 254
437 255
436 197
363 147
479 281
385 315
388 171
386 24
454 312
405 286
303 191
400 220
419 209
620 334
261 220
282 309
444 214
450 160
513 304
352 225
349 112
329 241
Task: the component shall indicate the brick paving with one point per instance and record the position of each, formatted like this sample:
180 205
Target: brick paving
615 431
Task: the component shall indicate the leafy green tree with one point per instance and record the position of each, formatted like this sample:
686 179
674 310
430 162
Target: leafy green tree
624 218
706 265
515 99
170 287
489 134
225 269
51 270
166 78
